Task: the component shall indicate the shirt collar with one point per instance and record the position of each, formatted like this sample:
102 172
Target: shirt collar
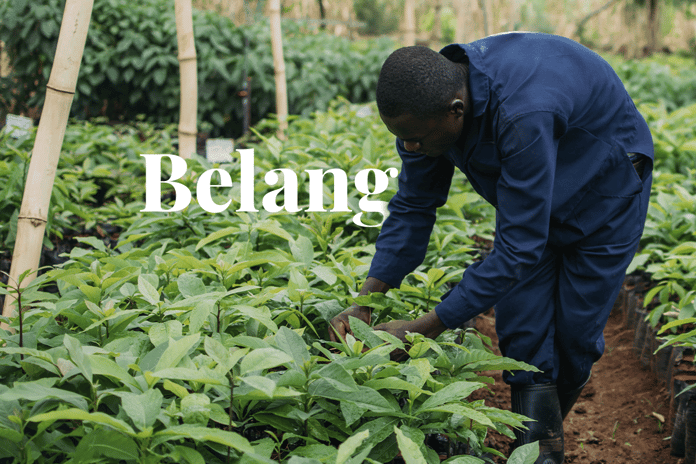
478 81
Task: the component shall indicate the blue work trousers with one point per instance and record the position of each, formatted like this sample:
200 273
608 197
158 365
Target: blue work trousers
554 319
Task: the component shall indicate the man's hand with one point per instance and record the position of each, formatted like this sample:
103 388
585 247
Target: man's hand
429 325
341 324
364 313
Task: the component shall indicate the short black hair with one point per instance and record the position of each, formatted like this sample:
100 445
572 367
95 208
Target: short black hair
419 81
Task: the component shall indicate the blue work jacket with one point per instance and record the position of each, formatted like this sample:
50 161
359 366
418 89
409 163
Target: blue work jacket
547 144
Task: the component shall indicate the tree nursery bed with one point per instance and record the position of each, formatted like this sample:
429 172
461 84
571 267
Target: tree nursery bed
622 416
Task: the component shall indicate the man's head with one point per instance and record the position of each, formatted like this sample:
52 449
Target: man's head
422 98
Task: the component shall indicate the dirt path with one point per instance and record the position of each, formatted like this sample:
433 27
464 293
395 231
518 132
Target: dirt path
618 418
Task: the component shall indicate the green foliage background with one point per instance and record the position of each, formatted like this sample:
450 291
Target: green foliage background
193 337
130 65
197 337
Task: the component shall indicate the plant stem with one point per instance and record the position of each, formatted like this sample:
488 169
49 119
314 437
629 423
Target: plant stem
21 321
218 317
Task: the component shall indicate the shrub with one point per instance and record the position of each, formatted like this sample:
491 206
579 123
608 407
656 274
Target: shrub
379 16
130 64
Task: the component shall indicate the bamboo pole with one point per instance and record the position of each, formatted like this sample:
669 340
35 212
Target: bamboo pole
436 33
487 17
60 90
4 61
188 106
463 16
410 21
279 66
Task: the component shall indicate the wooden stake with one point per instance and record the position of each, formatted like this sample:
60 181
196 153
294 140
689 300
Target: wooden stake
436 33
487 19
410 21
60 90
279 66
188 106
4 62
463 17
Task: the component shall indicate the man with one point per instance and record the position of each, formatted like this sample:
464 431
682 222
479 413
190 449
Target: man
545 131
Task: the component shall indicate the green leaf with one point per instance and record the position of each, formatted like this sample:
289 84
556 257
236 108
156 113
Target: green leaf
94 242
200 314
454 392
38 390
196 409
224 356
93 294
351 413
261 314
364 332
217 235
175 388
12 435
176 351
409 450
677 323
160 75
479 360
686 248
291 343
525 454
302 250
348 447
79 414
363 397
77 356
102 365
689 146
381 429
105 443
190 455
190 285
198 433
638 260
265 358
202 375
394 383
143 408
262 384
325 273
217 351
149 293
324 454
461 409
161 332
273 227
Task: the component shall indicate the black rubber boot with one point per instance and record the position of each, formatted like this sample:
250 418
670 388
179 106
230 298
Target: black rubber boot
567 398
540 402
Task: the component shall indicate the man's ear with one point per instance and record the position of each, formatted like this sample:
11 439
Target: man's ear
457 107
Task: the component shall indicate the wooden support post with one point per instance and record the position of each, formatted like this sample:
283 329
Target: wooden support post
188 106
279 66
60 90
463 18
436 33
485 8
4 62
410 23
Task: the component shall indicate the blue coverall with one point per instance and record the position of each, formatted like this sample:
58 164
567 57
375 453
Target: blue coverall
551 129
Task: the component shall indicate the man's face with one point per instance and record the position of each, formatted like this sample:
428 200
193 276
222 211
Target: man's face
432 136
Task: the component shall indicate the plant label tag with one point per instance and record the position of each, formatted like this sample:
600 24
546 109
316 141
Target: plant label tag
219 150
18 126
